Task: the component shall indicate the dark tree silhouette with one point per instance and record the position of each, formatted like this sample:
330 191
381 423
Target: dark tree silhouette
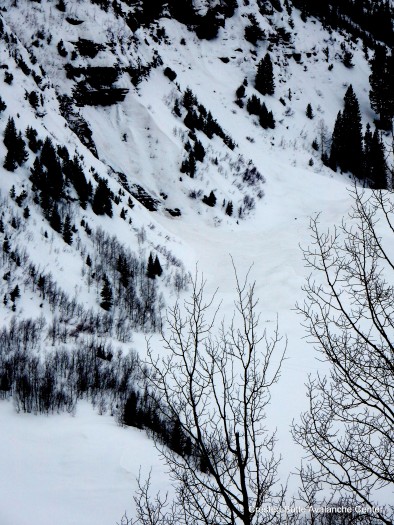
375 165
382 81
16 148
264 82
309 112
101 204
106 295
347 148
67 231
54 182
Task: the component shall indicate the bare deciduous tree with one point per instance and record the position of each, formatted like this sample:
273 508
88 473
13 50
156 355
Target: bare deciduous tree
349 428
217 381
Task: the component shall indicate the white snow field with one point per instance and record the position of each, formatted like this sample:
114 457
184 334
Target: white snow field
81 469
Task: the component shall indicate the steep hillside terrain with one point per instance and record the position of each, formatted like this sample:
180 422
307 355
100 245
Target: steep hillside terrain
137 146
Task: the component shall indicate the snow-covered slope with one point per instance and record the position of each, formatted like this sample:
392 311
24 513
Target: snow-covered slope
82 470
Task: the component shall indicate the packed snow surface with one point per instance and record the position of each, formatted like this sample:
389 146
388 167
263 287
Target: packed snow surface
81 469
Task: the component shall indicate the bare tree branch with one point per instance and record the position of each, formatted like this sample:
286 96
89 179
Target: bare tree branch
216 379
349 428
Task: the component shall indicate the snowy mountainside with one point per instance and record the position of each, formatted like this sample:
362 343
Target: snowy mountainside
153 116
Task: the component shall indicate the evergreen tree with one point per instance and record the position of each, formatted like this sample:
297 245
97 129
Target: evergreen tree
347 148
20 152
54 182
207 26
124 271
74 172
10 133
150 269
189 165
199 151
33 142
67 231
253 32
375 162
15 293
37 176
382 82
253 105
10 162
55 220
229 208
106 295
209 200
16 148
264 82
176 438
351 124
101 204
130 411
336 143
157 267
3 105
309 112
266 118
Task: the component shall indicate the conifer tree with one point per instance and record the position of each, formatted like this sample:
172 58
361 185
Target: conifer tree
3 105
67 231
10 162
336 144
266 118
264 82
54 182
74 172
309 112
15 293
37 176
253 105
55 220
33 142
381 79
253 31
16 148
101 204
10 133
20 152
347 149
150 269
377 167
351 125
106 295
199 151
209 200
130 411
157 267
